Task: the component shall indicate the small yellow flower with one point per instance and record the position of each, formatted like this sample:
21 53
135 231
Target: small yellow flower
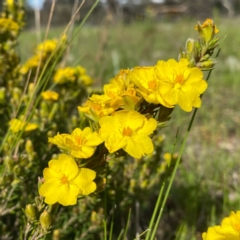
179 84
81 143
209 22
147 82
98 106
64 181
31 63
229 229
47 46
50 95
207 30
86 80
64 75
128 130
80 70
17 125
7 24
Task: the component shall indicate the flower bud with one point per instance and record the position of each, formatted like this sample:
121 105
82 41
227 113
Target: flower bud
207 30
213 43
44 109
2 94
29 146
190 45
31 88
207 65
16 94
56 234
46 220
93 217
30 211
204 58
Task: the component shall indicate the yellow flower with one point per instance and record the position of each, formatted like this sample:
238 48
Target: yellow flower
81 143
47 46
229 229
64 75
7 24
30 64
207 30
80 70
98 106
118 94
17 125
180 84
86 80
128 130
50 95
64 181
147 82
122 90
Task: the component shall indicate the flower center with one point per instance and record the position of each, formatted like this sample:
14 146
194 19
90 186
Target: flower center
127 131
237 227
179 79
64 179
152 84
80 140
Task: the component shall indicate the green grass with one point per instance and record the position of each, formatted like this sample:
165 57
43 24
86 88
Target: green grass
208 178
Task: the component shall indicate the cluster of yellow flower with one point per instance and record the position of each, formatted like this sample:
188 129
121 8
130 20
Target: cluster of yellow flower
49 50
8 28
72 74
133 105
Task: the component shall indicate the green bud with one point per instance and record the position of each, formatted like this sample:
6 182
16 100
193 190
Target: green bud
190 45
29 146
44 109
56 234
182 54
46 220
17 94
31 88
207 65
213 43
198 48
30 211
205 57
2 94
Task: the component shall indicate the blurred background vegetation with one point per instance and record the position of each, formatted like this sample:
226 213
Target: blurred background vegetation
124 34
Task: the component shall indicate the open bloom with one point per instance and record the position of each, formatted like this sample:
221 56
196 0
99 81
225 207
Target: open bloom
229 229
80 143
147 82
98 106
17 125
50 95
64 181
180 84
128 130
